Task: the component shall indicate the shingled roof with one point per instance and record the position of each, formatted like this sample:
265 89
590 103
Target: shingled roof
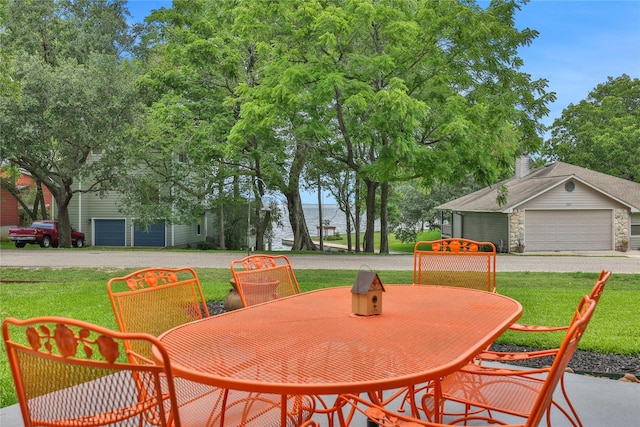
541 180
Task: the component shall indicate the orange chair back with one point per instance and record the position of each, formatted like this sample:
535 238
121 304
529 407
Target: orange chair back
155 300
596 292
72 373
583 315
460 263
262 278
598 288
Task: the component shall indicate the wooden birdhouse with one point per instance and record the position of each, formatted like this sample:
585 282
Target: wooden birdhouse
366 294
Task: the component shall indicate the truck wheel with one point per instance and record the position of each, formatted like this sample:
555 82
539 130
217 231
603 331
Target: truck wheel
79 242
20 244
46 242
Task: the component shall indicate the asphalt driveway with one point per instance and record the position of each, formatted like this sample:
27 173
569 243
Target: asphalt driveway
590 262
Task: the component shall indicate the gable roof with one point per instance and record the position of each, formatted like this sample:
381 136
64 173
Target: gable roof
541 180
367 281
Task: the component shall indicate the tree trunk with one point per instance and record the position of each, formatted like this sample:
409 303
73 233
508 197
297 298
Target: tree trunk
261 227
301 238
291 190
40 198
358 216
369 245
384 230
349 227
320 222
221 240
62 195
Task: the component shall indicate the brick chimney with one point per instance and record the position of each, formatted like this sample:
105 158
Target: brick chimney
523 166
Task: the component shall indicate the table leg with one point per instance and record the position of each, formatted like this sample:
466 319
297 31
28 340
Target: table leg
283 410
437 399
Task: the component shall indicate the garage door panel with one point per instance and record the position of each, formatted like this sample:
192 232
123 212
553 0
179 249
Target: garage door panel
568 230
109 232
154 236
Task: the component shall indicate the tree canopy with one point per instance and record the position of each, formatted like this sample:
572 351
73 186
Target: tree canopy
601 132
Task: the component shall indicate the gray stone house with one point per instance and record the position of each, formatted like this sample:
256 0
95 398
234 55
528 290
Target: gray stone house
557 207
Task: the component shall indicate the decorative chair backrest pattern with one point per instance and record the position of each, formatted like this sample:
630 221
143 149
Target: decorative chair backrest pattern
455 262
155 300
595 294
72 373
262 278
598 288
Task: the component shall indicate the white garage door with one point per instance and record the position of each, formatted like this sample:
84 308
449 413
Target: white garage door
578 230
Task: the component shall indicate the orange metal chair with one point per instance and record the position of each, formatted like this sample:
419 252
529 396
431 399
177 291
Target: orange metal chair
455 262
262 278
72 373
155 300
507 357
526 394
461 263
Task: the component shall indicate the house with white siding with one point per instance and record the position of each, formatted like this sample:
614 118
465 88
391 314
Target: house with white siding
556 207
104 225
100 219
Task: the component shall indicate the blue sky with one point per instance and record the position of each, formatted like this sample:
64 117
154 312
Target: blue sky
581 43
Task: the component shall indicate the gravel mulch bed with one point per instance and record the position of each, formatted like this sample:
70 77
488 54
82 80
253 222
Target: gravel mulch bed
611 365
215 307
583 362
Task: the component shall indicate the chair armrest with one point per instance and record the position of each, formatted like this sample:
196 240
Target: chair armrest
504 356
523 327
473 369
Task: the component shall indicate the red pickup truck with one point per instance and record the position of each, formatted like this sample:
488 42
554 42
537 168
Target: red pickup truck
44 233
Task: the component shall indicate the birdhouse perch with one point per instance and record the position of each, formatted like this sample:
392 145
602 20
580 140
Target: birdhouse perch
366 294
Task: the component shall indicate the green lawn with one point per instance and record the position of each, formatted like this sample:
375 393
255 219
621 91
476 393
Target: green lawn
547 298
395 245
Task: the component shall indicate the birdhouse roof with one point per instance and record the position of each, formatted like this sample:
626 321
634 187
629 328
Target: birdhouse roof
367 281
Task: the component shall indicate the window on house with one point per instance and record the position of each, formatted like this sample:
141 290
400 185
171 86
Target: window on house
198 229
635 229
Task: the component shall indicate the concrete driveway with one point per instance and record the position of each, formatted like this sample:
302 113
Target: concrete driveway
590 262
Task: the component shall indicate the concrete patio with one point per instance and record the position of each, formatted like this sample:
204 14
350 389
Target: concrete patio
599 402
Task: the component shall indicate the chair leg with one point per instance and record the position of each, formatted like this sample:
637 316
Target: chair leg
575 419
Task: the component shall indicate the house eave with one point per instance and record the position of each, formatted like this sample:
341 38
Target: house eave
582 181
506 210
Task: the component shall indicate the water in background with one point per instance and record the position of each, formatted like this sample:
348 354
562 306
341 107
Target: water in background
330 213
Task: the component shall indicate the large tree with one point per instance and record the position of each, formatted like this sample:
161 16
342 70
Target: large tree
601 132
69 94
400 90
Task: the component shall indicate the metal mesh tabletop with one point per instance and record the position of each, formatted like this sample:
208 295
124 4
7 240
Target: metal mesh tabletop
312 344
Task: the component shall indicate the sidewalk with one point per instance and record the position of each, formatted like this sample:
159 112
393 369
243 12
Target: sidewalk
599 402
559 262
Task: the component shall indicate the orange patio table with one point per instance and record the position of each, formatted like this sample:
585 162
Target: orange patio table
311 343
